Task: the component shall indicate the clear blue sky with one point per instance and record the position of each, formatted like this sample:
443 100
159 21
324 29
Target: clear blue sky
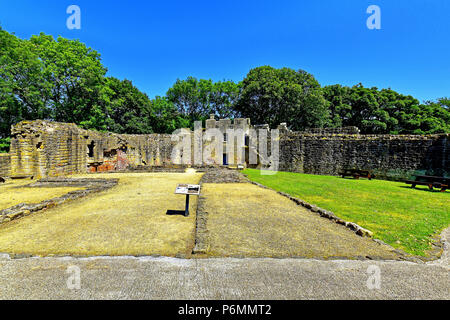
153 43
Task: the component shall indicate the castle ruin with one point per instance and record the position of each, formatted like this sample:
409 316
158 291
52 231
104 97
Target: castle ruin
42 148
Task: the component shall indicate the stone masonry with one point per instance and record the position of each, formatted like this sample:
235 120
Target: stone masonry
42 148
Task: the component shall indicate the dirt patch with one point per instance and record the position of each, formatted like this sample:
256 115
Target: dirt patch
223 175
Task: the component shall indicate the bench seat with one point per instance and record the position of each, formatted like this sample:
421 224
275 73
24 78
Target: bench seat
429 184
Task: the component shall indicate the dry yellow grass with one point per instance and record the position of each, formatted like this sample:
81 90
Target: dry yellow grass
246 220
13 192
129 219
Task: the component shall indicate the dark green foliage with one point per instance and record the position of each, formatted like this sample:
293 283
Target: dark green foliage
273 96
166 118
4 144
197 99
63 80
23 89
385 111
127 109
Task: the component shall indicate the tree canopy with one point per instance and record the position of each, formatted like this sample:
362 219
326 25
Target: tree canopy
273 96
197 99
64 80
385 111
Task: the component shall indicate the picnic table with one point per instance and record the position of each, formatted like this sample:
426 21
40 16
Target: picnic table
357 173
430 181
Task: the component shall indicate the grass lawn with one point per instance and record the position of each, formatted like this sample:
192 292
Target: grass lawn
128 219
14 192
405 218
248 221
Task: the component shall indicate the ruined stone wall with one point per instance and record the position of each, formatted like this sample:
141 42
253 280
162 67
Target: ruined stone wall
42 148
5 165
388 156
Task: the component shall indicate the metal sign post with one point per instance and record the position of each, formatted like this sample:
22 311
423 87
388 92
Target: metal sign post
188 190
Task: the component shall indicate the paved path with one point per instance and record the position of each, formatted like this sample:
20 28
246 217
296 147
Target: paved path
222 278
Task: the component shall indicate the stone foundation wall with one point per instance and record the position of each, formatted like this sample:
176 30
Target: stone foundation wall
388 156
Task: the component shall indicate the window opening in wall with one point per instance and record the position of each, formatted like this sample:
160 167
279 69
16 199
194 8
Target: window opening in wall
91 149
109 153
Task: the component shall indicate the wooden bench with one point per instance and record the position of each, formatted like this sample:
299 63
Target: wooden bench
431 182
357 173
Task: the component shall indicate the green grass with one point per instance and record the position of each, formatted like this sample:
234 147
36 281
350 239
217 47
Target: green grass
405 218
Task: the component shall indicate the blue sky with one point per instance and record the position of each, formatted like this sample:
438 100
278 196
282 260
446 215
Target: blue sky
153 43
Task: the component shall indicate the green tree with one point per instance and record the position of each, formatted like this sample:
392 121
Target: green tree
444 102
197 99
434 117
372 110
5 144
273 96
191 97
165 116
74 76
126 109
24 92
223 99
403 111
338 98
366 112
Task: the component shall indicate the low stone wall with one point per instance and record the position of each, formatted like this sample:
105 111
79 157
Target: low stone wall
91 186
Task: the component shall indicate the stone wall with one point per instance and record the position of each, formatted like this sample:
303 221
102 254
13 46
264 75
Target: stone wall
389 156
42 148
5 165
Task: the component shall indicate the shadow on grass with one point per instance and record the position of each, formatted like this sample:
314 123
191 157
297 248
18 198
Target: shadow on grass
350 178
424 189
175 212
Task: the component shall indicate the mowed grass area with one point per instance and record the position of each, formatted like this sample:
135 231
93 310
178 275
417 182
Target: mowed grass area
405 218
248 221
128 219
14 192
